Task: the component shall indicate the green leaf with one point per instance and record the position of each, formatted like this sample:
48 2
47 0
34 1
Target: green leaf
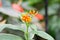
33 30
4 36
3 26
43 35
40 33
31 35
33 27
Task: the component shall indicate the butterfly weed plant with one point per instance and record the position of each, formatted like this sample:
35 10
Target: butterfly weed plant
29 29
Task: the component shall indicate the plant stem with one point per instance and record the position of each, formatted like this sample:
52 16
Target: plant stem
27 31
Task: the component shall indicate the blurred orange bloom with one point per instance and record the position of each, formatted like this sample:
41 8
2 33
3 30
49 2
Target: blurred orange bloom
33 12
17 7
26 18
39 16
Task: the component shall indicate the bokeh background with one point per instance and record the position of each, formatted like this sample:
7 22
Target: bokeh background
10 10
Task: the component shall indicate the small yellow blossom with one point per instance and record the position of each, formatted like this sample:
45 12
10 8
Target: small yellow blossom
33 12
26 18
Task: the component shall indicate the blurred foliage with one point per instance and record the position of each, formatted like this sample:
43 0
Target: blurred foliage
4 36
32 31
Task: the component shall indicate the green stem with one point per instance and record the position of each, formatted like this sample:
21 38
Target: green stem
27 31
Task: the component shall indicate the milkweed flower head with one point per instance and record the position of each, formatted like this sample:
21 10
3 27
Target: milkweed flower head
27 17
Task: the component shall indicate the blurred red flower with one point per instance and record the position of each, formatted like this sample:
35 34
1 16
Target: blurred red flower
17 7
39 16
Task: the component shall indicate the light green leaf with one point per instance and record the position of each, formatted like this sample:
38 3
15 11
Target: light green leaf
31 35
43 35
40 33
33 27
4 36
33 31
3 26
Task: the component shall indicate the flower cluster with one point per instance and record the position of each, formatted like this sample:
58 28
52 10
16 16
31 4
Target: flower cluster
33 12
27 18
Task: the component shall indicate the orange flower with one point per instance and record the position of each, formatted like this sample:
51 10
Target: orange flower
26 18
33 12
39 16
